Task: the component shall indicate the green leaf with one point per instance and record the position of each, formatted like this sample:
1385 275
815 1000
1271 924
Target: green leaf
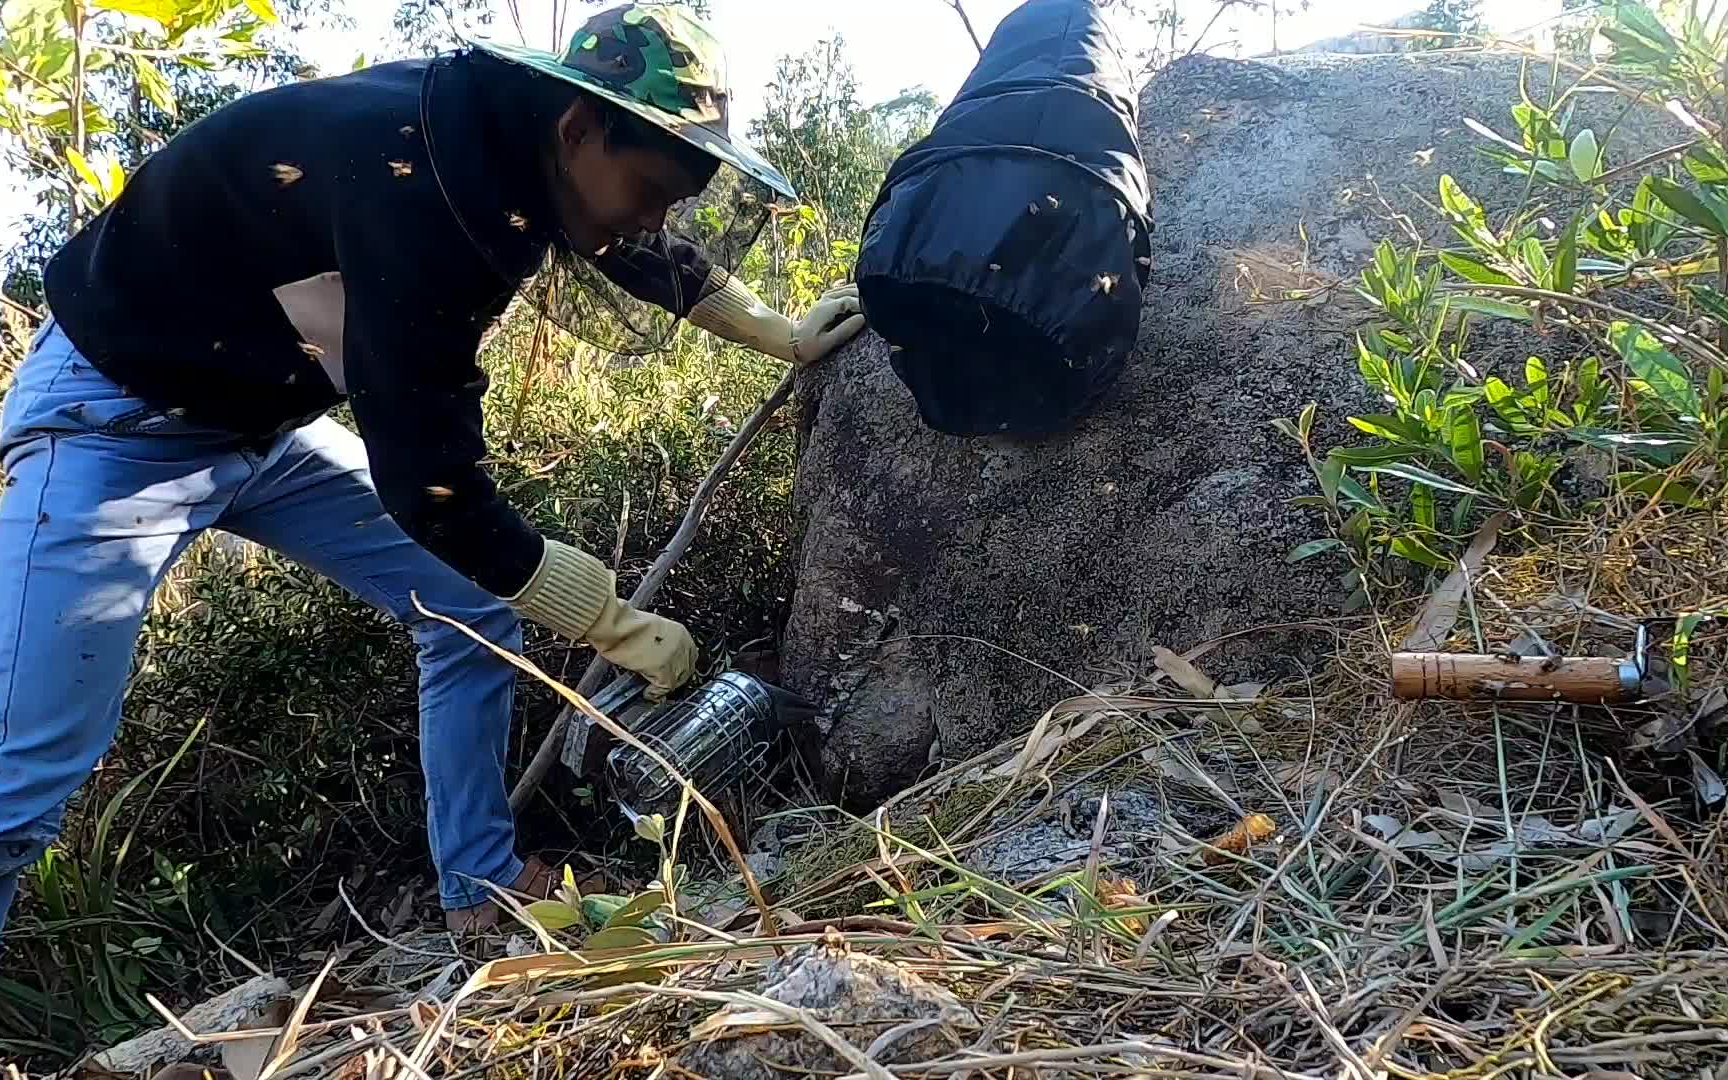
154 85
1416 474
1466 439
1359 495
1660 369
1505 403
1459 205
1408 547
554 915
163 12
264 9
1536 259
637 911
1541 926
1656 484
617 937
1712 302
1497 309
1386 261
1372 455
1593 391
1705 166
1331 475
1424 510
1681 493
651 827
1565 275
1585 156
1535 373
1472 270
1639 19
1681 644
1355 529
1648 231
598 908
1394 341
1424 407
1547 170
1390 428
1461 511
1372 368
1657 449
81 165
1692 207
1305 423
1463 397
1304 552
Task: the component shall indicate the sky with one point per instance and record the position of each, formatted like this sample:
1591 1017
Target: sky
893 44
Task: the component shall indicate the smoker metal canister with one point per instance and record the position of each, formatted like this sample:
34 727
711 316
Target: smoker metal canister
715 736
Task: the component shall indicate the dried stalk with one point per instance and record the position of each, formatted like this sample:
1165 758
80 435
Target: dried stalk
536 352
960 10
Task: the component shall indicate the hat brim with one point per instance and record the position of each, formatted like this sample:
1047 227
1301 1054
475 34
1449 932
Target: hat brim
716 144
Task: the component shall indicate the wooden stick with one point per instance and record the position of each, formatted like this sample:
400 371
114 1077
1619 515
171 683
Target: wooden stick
1588 680
959 7
544 758
535 352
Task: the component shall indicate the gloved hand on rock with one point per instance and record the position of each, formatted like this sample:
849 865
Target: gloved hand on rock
736 313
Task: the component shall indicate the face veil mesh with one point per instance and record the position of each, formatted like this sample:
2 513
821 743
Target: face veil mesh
628 299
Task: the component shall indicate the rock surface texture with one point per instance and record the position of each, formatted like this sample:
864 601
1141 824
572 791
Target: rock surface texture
873 1005
951 590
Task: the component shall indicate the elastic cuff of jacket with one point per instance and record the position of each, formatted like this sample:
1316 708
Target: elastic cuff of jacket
568 591
736 313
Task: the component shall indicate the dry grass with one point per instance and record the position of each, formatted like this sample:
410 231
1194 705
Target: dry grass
1453 890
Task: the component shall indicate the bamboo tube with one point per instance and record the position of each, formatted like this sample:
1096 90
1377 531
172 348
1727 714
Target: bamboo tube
1585 680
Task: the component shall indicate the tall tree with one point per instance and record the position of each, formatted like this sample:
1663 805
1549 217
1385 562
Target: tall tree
89 87
832 147
139 71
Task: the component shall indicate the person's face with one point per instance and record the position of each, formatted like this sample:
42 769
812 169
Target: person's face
606 192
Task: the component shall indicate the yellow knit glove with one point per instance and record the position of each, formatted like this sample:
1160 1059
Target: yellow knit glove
736 313
575 595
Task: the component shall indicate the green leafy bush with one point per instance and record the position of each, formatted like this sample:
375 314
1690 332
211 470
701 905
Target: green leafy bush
1636 278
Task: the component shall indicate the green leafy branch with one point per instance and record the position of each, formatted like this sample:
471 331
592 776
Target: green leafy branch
1452 442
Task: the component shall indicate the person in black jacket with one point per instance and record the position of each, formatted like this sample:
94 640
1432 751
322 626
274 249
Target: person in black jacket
350 239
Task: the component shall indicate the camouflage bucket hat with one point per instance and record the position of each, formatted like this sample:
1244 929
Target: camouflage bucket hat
662 64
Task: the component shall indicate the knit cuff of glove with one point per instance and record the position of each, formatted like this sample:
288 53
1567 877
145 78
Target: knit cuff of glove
736 313
567 592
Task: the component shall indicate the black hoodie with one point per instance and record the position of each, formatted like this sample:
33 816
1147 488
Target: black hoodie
171 290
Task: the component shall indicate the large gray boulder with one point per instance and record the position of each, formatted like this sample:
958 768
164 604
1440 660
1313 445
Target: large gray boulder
951 590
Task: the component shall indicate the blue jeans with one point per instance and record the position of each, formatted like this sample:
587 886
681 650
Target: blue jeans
102 494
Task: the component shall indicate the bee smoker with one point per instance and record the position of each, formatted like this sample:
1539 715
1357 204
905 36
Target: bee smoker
716 735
